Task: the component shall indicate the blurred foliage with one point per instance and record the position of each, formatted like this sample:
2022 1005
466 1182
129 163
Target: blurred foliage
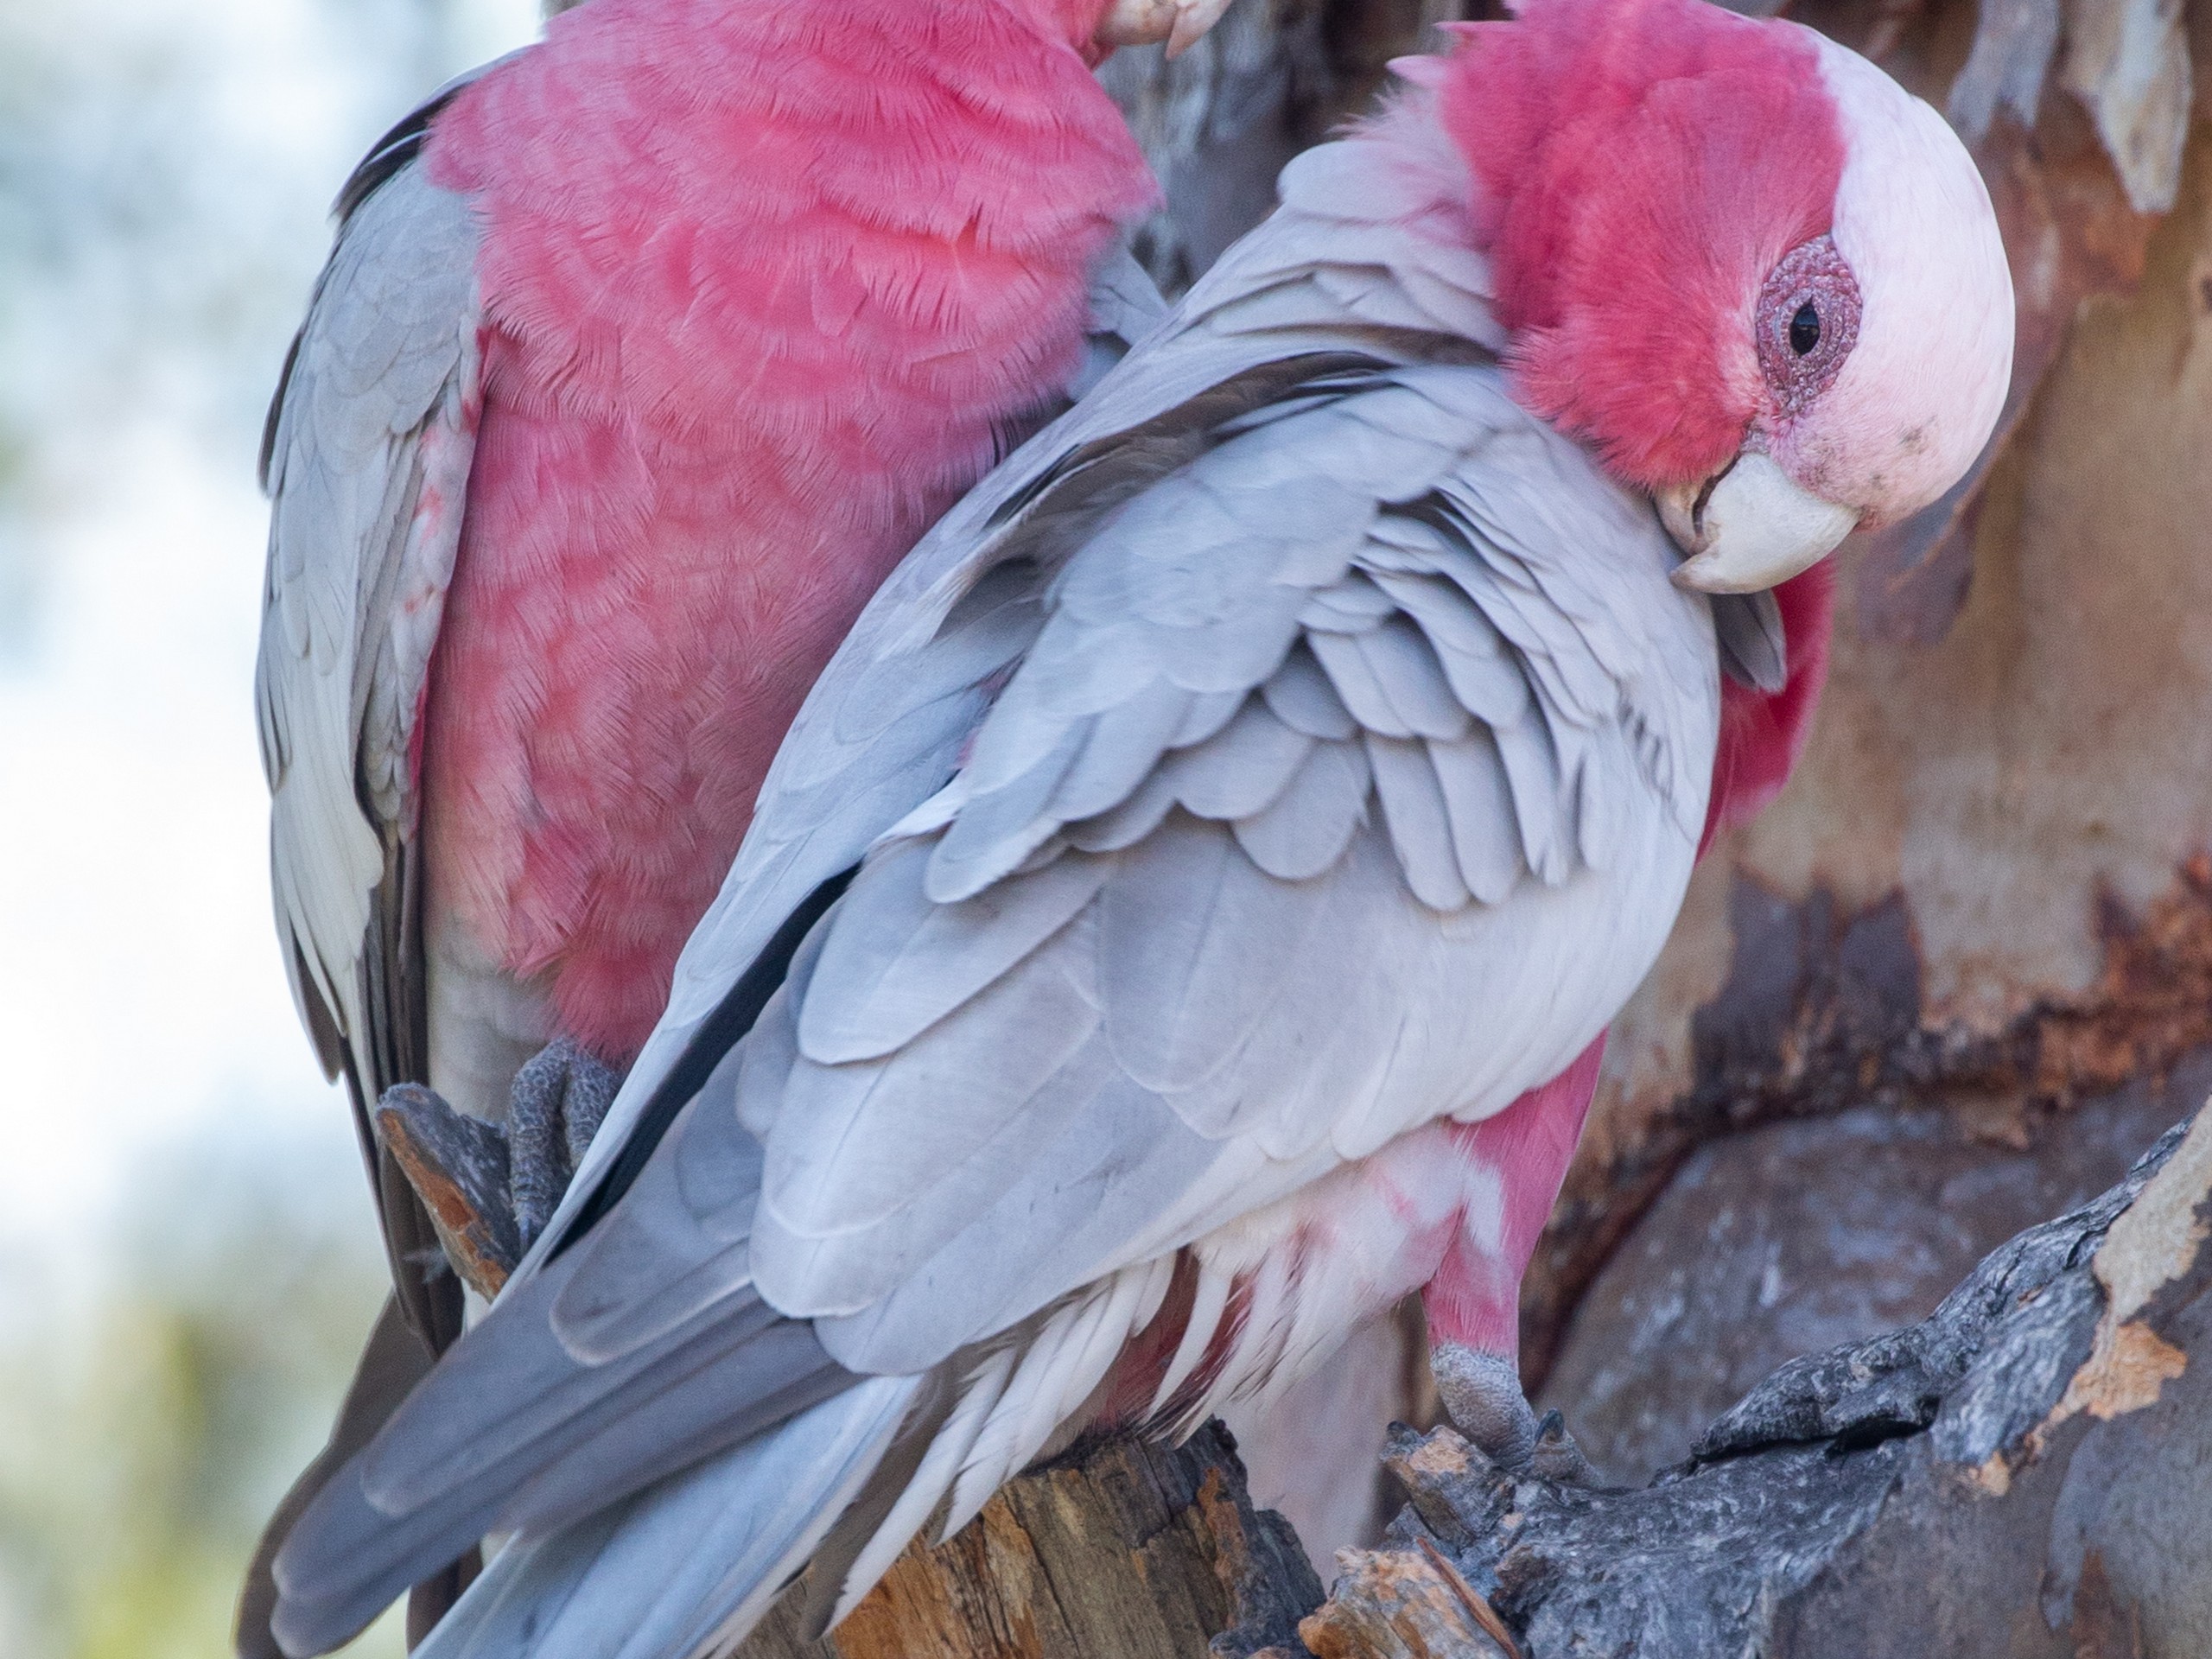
155 1404
161 218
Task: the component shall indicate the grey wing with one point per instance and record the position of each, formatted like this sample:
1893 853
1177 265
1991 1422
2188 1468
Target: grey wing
367 459
1351 779
1345 277
366 455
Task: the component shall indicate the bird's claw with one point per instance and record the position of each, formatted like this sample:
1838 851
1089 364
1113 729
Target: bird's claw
1557 1458
1481 1392
559 1099
458 1167
1180 23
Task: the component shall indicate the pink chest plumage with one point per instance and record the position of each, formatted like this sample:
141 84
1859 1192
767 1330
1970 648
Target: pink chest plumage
761 283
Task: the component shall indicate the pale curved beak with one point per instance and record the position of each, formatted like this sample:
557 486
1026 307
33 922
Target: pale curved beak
1140 23
1750 529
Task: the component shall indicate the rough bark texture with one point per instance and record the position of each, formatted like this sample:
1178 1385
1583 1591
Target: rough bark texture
2022 1475
1118 1551
1799 1237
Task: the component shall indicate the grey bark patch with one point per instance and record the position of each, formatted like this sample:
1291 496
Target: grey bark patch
1923 1491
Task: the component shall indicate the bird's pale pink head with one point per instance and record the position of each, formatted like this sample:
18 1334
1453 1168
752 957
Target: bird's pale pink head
1758 277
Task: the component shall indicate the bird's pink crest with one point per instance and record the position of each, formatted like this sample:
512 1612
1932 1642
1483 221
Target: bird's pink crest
1641 166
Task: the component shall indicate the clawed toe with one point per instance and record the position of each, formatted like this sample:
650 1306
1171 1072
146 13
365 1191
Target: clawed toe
560 1098
490 1189
1482 1394
1557 1458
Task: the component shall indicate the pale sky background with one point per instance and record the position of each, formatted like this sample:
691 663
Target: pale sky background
165 166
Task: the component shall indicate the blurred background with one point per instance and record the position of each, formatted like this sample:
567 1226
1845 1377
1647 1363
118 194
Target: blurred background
186 1262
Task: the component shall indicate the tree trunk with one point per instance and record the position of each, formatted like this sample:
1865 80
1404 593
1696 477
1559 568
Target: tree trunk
1119 1550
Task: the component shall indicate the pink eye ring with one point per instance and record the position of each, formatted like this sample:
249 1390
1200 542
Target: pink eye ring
1807 323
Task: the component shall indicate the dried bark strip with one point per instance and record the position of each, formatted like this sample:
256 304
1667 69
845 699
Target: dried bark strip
1119 1550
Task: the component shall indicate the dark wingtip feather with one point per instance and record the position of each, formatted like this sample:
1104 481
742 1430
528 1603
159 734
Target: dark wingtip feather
1752 652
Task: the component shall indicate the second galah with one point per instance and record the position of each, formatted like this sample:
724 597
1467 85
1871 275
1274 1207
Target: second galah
1181 920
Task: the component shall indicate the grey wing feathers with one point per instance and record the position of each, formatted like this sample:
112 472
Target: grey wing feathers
366 454
636 1356
370 448
1099 938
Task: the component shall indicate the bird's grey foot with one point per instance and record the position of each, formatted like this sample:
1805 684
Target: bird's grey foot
559 1098
458 1165
1557 1458
1482 1394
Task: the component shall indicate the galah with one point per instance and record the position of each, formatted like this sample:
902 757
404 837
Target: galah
1179 923
643 355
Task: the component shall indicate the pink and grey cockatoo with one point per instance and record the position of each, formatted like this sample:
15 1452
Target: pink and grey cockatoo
1180 921
643 356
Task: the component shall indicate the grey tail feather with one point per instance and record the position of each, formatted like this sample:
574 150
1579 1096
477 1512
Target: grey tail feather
689 1565
856 1526
348 1556
392 1361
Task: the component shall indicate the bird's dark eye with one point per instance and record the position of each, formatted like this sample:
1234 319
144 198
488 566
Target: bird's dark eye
1804 329
1805 323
